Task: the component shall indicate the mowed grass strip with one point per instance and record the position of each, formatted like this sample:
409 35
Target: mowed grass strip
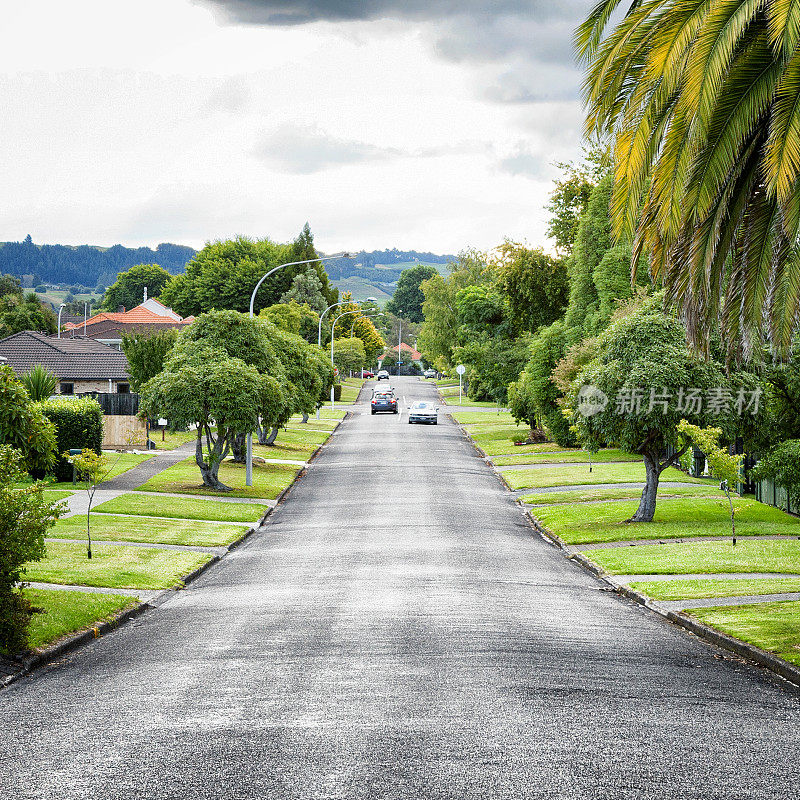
269 480
695 589
110 528
114 566
566 457
484 417
674 519
618 493
64 612
774 627
675 558
297 442
179 508
579 474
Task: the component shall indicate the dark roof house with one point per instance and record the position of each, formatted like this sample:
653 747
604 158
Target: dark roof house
81 365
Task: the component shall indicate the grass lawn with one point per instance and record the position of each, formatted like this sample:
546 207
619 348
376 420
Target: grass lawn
575 456
117 462
771 626
115 566
618 493
350 390
700 557
296 442
67 612
689 590
172 440
179 508
269 480
579 474
106 527
329 418
472 417
452 402
57 494
678 518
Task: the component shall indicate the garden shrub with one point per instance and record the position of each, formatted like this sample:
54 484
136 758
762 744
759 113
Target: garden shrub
782 466
25 517
79 426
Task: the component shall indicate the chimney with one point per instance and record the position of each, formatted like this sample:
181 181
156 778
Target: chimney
145 295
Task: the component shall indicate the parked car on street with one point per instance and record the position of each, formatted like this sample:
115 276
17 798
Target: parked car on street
365 373
429 373
423 412
382 375
384 401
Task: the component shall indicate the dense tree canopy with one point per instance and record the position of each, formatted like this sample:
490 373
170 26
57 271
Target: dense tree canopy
146 353
27 313
408 298
128 289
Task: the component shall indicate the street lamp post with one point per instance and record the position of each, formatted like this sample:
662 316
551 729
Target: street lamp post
60 309
249 460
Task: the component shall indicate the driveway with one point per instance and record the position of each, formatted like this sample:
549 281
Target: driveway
398 631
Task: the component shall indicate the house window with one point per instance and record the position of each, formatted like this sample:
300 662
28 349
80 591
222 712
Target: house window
67 388
123 388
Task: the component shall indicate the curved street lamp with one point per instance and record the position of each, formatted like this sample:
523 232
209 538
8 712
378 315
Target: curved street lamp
249 459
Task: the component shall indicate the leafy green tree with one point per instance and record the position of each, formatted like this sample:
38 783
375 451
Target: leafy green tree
146 353
9 284
306 288
568 201
703 104
492 364
592 242
408 298
534 398
303 249
782 465
202 385
437 336
644 361
349 355
483 310
24 427
535 284
292 317
128 289
25 314
25 518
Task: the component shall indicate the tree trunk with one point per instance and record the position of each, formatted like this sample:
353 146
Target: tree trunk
305 417
262 434
273 435
239 448
208 471
647 505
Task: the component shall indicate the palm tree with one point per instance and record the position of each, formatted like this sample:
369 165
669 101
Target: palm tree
701 99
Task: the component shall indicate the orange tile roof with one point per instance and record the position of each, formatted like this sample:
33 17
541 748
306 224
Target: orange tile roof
136 316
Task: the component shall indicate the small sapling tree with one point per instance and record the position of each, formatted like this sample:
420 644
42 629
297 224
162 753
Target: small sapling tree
724 467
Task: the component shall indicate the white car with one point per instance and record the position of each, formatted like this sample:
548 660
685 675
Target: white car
382 375
423 412
429 373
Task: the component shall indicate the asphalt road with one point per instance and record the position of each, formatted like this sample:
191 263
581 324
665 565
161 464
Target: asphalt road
398 631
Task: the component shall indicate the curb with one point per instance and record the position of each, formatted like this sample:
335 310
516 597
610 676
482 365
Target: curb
751 653
29 663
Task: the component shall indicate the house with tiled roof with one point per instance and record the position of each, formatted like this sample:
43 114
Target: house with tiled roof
408 353
81 365
108 326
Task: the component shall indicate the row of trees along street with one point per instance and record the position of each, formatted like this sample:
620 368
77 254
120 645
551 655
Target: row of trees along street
533 328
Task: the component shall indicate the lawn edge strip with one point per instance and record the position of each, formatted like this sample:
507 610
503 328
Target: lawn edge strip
755 655
480 453
29 662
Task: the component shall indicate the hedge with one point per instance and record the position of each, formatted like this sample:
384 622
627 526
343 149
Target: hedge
79 425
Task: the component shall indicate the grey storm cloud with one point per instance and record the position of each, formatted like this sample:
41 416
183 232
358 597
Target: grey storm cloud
304 150
530 39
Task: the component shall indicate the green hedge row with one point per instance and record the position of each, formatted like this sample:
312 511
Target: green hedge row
79 425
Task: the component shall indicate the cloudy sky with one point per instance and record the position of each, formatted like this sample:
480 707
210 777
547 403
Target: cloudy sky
426 124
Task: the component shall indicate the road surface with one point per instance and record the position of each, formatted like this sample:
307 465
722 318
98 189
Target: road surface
398 631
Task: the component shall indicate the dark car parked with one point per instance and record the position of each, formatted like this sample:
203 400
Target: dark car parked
384 401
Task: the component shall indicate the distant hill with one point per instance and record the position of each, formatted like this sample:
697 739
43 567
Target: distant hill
85 265
365 274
